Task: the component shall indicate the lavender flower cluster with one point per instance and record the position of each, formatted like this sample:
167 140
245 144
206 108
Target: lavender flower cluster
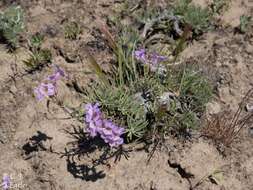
97 125
149 58
153 60
48 88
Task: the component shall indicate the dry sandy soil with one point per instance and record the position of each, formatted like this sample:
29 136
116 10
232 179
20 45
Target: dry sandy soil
34 138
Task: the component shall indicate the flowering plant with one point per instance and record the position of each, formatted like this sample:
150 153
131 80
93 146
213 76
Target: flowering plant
49 87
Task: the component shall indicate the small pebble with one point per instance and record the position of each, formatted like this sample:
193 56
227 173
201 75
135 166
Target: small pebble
249 108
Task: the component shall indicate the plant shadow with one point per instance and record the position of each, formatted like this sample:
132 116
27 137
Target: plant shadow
85 154
35 144
83 171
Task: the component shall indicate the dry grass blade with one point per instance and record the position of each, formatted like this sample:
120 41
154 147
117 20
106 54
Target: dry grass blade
109 37
96 67
224 127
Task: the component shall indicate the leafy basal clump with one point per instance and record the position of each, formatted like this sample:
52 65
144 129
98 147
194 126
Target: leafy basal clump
39 57
143 93
197 17
72 30
11 25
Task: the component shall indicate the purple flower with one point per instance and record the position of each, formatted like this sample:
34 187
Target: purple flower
92 129
92 111
116 141
44 90
111 133
6 182
49 89
156 59
140 55
107 130
58 73
149 58
93 118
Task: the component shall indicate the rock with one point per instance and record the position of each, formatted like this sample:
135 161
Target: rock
167 99
232 15
68 50
249 108
249 49
138 97
213 108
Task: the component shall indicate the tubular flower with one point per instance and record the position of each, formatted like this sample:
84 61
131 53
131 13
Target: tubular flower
58 73
149 58
156 59
93 118
48 88
44 90
111 133
107 130
140 55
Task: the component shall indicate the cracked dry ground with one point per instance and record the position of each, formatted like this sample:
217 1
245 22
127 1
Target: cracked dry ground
33 138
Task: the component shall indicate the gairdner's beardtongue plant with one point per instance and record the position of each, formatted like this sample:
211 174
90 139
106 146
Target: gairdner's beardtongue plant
6 182
48 88
97 125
